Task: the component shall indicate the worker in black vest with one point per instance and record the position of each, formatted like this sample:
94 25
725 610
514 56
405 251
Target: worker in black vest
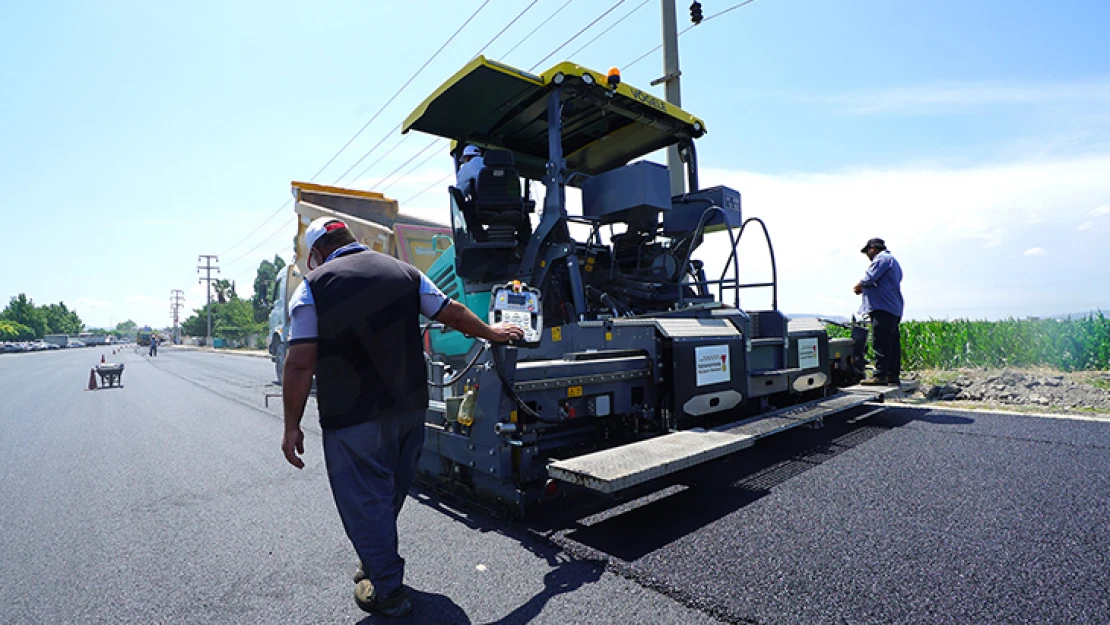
354 323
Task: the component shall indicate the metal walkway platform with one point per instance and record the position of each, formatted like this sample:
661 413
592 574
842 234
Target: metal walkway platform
613 470
786 418
623 467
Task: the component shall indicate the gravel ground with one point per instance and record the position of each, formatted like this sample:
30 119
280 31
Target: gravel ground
1043 390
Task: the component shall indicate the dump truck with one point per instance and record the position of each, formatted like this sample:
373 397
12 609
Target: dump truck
375 220
637 363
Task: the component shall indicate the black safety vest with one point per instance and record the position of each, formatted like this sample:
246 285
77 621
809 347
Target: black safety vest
370 359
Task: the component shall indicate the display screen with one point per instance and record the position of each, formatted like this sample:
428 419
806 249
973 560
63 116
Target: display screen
517 299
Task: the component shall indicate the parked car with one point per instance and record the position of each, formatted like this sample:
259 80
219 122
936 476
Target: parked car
76 344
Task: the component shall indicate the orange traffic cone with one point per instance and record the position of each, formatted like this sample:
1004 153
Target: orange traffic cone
102 359
92 379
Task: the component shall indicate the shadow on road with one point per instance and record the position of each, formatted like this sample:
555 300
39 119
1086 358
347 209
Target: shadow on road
715 490
426 608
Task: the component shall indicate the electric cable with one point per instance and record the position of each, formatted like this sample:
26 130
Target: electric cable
398 126
403 87
578 34
534 30
363 128
686 30
507 26
409 172
611 27
405 164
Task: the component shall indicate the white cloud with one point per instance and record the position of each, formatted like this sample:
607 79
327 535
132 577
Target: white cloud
1101 211
1035 251
1086 225
954 231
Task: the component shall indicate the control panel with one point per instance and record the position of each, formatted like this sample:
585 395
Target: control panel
520 305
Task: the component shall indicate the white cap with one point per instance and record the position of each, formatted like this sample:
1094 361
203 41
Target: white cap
319 227
471 150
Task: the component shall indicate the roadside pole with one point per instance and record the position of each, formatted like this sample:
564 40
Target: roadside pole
672 90
208 259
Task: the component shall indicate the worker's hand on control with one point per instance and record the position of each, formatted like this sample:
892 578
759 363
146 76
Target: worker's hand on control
858 289
505 332
292 445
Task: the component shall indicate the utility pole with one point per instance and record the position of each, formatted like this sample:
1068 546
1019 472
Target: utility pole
672 91
208 259
177 296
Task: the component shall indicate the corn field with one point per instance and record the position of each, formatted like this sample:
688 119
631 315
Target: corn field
1072 344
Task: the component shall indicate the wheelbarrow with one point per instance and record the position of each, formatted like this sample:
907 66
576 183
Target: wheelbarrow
110 374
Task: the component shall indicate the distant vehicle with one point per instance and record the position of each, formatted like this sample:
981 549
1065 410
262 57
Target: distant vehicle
61 340
142 337
75 343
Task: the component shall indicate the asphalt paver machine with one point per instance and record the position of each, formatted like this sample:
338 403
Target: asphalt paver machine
636 364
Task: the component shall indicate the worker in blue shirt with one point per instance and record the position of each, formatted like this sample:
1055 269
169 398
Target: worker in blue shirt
881 289
470 165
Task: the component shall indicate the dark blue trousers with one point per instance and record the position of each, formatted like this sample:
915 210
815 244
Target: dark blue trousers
370 467
887 343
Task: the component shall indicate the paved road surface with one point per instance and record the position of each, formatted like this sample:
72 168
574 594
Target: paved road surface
168 501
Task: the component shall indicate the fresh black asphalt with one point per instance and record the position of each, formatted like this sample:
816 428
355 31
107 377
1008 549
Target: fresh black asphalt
168 501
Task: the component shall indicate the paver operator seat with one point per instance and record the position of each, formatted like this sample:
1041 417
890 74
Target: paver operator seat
495 218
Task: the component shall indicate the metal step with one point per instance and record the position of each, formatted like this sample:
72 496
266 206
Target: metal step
884 392
617 469
785 418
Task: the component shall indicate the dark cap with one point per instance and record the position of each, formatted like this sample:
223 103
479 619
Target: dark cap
876 242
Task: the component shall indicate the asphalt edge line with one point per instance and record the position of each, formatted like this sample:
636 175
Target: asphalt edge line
1012 413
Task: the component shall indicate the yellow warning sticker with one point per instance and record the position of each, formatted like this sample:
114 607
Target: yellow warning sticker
574 391
556 333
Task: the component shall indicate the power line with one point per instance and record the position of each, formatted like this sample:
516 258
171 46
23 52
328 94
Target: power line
268 238
428 188
403 87
411 159
410 172
507 26
611 27
364 127
578 34
687 29
542 24
398 126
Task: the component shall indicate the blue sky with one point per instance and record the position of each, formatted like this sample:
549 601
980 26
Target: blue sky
973 136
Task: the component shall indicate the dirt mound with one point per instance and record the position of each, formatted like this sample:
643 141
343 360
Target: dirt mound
1048 389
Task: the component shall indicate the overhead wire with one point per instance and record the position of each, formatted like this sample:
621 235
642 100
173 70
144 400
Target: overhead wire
578 34
686 30
365 126
403 87
611 27
534 30
398 126
404 164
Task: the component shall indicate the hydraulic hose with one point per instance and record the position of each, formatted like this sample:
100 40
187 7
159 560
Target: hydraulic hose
458 376
498 366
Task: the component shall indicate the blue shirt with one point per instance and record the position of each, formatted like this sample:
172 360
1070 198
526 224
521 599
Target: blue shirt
882 285
303 322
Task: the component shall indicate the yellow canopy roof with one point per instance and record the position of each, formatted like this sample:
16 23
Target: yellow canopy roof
497 106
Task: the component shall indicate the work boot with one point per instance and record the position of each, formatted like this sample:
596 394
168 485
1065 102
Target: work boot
395 604
359 574
875 381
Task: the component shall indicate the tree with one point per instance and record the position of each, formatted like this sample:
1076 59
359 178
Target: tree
22 310
223 290
126 327
263 299
12 331
197 323
62 320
